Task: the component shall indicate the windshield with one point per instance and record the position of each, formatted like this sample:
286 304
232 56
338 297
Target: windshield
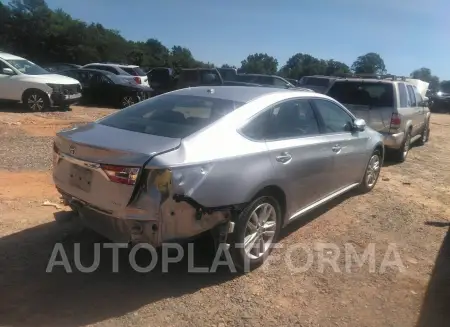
373 94
169 115
135 71
27 67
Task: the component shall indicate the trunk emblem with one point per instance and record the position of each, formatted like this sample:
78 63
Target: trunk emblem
72 149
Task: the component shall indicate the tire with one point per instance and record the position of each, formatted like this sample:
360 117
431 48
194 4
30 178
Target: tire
425 134
35 100
246 261
127 100
372 173
399 155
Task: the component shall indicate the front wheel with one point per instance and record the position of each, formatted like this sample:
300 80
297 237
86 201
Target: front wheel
256 229
36 101
128 100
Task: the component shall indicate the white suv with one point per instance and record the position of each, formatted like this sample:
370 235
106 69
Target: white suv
130 72
23 81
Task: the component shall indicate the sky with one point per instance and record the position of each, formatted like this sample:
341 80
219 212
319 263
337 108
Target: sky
408 34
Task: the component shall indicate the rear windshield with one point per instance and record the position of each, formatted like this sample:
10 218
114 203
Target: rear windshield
170 115
367 94
315 81
135 71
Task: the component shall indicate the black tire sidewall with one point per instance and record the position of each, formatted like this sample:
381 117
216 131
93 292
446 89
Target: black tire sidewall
237 237
44 96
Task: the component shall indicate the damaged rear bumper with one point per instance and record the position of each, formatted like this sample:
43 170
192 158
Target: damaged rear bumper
155 214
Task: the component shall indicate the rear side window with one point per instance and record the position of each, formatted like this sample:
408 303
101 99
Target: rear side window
403 95
411 96
372 94
170 115
135 71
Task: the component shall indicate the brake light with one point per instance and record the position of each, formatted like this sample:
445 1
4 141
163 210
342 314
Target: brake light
137 80
121 174
395 121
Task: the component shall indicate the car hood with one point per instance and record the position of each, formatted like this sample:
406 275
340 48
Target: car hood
51 79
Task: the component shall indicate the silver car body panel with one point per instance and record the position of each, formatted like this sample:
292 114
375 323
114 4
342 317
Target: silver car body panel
187 186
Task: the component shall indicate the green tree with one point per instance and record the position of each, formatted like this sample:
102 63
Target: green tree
301 64
370 63
425 75
336 68
259 63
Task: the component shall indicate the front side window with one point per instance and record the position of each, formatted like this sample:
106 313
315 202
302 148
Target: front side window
372 94
170 115
27 67
335 119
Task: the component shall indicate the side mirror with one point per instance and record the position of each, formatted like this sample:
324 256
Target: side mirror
359 125
8 71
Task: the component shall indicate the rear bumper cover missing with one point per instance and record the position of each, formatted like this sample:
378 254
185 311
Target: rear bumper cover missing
155 214
393 141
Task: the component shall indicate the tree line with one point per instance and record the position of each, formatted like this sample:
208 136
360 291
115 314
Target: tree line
32 30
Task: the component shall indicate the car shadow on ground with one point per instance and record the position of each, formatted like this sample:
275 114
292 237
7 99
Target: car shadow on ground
435 311
15 107
33 297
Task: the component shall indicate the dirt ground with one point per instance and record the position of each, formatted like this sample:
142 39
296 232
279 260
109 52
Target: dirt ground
409 208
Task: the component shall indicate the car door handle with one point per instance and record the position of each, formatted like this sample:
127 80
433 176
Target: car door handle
284 157
336 148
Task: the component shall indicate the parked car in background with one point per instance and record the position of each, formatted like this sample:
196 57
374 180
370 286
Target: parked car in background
23 81
317 83
293 82
205 76
136 71
162 79
104 88
265 80
395 108
58 67
268 156
228 74
117 69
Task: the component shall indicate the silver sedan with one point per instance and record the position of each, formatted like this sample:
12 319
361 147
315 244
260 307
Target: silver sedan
242 162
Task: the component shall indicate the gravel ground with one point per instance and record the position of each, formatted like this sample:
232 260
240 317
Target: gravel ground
408 211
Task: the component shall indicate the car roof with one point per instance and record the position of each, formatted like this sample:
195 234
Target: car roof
237 93
8 56
111 64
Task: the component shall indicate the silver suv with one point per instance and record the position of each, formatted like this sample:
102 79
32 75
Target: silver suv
393 107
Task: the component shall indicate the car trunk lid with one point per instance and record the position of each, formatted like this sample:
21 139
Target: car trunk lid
100 165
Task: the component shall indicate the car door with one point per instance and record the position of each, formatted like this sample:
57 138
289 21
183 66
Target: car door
301 156
11 87
415 110
348 147
420 111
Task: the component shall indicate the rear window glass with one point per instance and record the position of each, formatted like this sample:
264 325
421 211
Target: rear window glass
365 94
315 81
135 71
171 115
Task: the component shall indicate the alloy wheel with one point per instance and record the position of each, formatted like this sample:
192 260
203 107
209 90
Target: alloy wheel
260 230
406 145
127 101
36 102
373 170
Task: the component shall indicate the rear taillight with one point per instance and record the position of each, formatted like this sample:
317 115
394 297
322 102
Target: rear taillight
396 121
121 174
137 80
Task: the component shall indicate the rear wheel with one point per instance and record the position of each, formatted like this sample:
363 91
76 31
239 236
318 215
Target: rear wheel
127 101
36 100
256 229
425 134
372 172
400 155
